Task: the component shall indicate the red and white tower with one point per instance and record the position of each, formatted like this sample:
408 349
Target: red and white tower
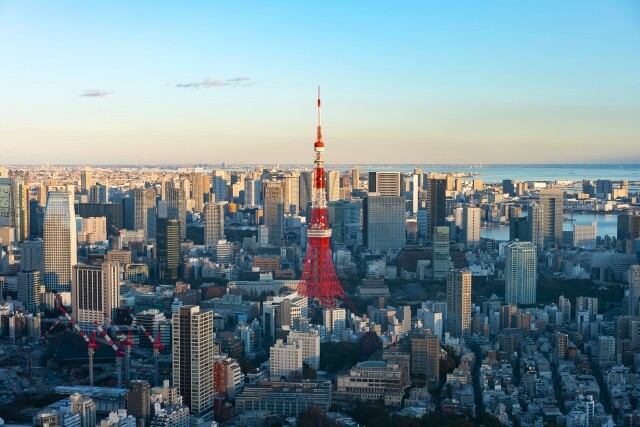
319 280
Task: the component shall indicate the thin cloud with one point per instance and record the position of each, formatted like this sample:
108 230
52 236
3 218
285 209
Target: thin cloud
95 93
215 83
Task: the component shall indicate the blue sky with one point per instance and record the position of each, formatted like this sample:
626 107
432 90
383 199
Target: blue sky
402 82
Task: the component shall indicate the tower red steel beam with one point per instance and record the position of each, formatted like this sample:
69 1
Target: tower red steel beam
319 280
119 353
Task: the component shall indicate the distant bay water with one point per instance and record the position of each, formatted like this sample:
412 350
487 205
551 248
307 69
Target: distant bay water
522 172
606 224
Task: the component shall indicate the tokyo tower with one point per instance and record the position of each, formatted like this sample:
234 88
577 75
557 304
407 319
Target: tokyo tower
319 280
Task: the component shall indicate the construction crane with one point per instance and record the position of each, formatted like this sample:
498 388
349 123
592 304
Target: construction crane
156 344
128 345
43 337
119 353
92 343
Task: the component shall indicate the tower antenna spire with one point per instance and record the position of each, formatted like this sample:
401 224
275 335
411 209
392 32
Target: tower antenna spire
319 125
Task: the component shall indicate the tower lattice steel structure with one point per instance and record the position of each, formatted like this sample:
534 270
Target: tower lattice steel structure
319 280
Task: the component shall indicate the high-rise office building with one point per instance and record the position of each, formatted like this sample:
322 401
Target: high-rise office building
508 187
144 210
436 204
99 193
553 204
628 226
213 223
305 191
86 181
274 211
193 359
95 294
200 188
384 223
355 179
471 226
333 186
168 248
32 256
291 192
252 192
441 253
385 183
537 225
29 284
520 273
177 204
633 275
112 211
60 241
459 303
219 184
14 206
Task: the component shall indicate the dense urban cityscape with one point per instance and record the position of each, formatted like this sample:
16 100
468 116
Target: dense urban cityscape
192 234
183 296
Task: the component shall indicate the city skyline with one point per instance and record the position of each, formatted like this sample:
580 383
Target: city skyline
539 82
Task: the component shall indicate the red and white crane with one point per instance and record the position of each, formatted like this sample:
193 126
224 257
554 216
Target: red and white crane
156 344
119 353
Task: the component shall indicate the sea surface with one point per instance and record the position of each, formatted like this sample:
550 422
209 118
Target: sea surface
606 224
522 172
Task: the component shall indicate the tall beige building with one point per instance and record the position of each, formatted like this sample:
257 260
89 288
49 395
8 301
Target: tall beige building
93 229
471 226
200 185
193 359
634 290
333 186
95 294
459 303
284 360
213 223
291 192
425 357
309 344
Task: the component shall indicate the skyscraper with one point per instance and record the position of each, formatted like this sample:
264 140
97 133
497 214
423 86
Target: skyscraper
219 183
14 206
213 223
291 192
177 204
436 204
385 183
32 256
29 283
274 211
459 303
520 273
144 210
441 253
384 223
333 186
355 179
634 290
200 185
553 204
86 181
193 359
60 241
537 226
168 248
425 357
471 226
95 294
305 190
